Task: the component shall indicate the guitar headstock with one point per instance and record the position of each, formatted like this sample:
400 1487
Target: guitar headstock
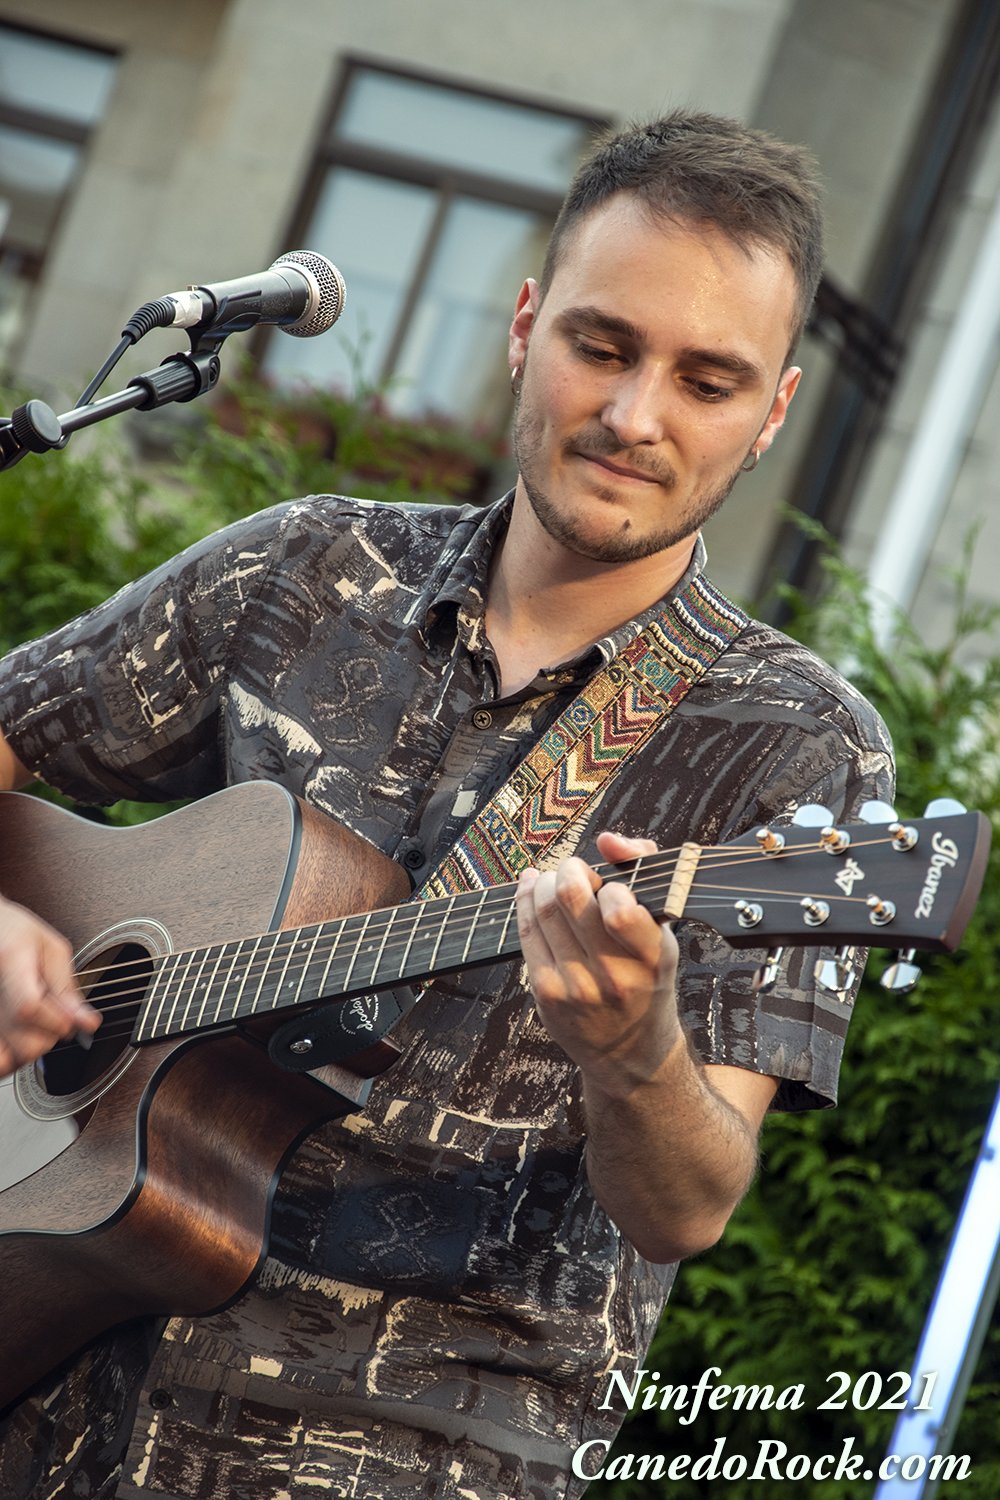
889 883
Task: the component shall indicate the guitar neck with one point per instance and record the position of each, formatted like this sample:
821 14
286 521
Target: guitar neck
210 987
900 885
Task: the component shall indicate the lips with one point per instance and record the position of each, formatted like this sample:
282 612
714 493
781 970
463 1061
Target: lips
620 471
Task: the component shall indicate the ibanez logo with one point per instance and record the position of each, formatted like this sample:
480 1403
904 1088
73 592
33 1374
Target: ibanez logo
945 857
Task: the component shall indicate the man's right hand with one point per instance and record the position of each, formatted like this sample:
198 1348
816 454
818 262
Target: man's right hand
40 1001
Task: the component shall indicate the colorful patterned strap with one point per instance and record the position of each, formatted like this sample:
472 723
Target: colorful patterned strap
617 711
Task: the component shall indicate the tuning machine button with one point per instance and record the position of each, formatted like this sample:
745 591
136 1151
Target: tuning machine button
943 807
812 815
902 974
837 975
766 976
878 812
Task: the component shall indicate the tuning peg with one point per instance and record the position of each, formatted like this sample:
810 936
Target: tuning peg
812 815
765 977
877 812
943 807
902 974
837 975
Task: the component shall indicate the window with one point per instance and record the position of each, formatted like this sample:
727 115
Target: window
435 202
52 94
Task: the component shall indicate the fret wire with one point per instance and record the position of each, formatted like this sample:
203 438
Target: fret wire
442 930
472 925
234 1007
276 995
305 967
381 950
511 912
410 940
192 987
208 986
357 949
146 1027
156 1026
183 971
332 955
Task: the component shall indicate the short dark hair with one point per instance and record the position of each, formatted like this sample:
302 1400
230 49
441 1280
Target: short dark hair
703 167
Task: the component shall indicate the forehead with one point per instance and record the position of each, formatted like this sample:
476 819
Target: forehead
677 281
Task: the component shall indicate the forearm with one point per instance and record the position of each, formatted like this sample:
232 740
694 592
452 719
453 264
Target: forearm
668 1157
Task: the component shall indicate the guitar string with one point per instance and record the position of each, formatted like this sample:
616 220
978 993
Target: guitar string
284 941
652 870
115 1031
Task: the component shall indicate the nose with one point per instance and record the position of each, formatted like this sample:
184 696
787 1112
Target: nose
636 406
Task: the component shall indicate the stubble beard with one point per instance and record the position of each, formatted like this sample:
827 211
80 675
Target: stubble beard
624 545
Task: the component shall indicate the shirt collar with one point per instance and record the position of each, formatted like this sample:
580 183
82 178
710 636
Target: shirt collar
466 574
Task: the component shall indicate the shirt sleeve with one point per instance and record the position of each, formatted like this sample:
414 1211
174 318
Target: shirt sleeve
123 701
768 730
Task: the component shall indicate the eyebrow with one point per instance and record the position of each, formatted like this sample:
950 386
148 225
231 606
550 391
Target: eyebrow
595 320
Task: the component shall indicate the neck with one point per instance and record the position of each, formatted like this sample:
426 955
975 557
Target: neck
547 604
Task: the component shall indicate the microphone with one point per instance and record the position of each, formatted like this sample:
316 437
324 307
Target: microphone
301 293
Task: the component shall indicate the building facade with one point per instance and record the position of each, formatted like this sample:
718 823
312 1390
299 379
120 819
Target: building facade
424 149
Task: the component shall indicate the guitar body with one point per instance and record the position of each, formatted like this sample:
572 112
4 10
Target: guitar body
138 1180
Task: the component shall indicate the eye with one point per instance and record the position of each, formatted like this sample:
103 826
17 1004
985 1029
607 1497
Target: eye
596 354
707 390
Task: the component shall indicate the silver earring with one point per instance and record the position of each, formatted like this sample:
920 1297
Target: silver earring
515 378
746 468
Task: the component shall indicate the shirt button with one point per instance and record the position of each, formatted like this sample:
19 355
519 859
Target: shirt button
413 859
482 718
160 1399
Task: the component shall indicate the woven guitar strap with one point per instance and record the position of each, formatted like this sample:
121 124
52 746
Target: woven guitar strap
613 716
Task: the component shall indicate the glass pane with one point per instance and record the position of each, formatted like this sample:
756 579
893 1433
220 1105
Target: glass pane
34 176
454 357
15 289
456 129
55 78
374 231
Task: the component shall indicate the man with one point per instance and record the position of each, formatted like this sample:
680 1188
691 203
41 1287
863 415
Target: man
455 1270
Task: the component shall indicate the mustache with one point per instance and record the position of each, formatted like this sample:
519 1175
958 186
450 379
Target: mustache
595 441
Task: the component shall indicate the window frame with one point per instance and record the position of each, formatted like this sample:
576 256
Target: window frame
50 128
447 181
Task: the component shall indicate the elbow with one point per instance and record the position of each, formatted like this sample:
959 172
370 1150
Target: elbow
674 1241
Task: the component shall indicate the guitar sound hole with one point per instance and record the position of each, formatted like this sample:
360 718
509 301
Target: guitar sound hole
122 978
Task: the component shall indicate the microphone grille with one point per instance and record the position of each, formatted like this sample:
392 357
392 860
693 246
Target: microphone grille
331 293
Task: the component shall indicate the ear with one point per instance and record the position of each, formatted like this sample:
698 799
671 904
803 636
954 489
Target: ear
520 329
787 386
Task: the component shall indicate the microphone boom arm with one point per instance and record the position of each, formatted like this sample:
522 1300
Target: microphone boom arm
35 428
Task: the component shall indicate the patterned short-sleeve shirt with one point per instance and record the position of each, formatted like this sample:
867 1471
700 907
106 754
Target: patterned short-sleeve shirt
443 1298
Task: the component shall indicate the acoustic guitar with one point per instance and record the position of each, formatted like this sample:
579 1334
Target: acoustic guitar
136 1173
